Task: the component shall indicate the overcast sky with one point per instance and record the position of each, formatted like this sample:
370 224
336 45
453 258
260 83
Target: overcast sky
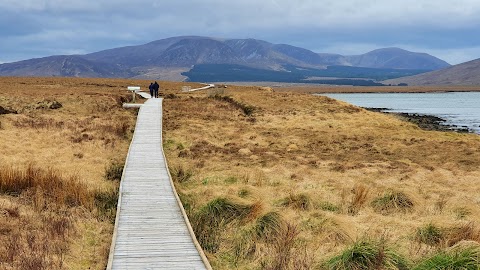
444 28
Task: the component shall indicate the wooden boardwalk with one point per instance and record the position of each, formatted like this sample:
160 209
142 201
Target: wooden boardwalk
151 229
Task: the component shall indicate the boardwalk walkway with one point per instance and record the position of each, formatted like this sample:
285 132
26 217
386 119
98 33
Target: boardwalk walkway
150 229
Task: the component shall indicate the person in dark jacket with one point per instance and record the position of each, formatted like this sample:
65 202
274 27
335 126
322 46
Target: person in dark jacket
156 86
151 89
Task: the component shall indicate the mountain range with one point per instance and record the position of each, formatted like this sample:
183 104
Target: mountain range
172 58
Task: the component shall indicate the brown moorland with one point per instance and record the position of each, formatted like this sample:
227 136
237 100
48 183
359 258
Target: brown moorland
282 180
270 180
63 143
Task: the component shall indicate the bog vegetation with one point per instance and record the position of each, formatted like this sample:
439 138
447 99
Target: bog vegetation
303 182
62 147
269 180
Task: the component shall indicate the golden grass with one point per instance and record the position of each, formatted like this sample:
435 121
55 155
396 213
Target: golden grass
56 205
293 176
321 164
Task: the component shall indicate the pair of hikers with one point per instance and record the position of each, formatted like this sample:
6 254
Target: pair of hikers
154 89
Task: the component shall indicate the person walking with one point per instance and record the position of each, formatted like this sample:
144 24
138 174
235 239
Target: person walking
156 86
151 90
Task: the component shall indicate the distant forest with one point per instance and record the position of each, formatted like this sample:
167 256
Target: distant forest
340 75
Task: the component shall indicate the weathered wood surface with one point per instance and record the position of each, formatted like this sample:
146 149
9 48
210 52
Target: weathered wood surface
150 230
144 94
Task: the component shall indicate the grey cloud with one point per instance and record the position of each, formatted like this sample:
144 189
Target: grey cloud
59 26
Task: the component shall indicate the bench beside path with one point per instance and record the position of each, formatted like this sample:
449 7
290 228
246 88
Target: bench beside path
151 228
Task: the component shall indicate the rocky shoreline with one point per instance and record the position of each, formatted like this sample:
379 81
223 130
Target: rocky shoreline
426 122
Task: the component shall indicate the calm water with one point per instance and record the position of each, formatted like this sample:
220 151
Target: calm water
458 108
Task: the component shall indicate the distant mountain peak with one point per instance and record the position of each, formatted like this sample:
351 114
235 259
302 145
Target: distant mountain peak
394 57
181 52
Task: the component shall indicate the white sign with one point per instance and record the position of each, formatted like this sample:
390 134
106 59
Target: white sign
133 88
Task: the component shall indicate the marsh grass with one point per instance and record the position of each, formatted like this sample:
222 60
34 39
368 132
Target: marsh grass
268 226
319 147
209 221
430 235
358 200
393 201
466 231
300 201
181 174
283 248
367 254
328 206
459 258
56 213
106 204
44 187
114 171
38 122
244 245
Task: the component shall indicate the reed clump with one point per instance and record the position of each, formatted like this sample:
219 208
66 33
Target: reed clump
467 258
358 200
430 235
299 201
209 221
393 201
268 226
45 186
466 231
367 254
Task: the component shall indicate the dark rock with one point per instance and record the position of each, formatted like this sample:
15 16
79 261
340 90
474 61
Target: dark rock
376 109
427 122
6 111
55 105
48 104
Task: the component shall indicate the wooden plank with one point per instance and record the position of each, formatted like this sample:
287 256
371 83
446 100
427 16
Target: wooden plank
151 231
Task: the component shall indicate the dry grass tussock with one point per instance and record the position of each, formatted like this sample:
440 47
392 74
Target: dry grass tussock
323 175
62 147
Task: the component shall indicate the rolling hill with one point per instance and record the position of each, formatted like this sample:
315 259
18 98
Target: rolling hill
396 58
63 66
462 74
